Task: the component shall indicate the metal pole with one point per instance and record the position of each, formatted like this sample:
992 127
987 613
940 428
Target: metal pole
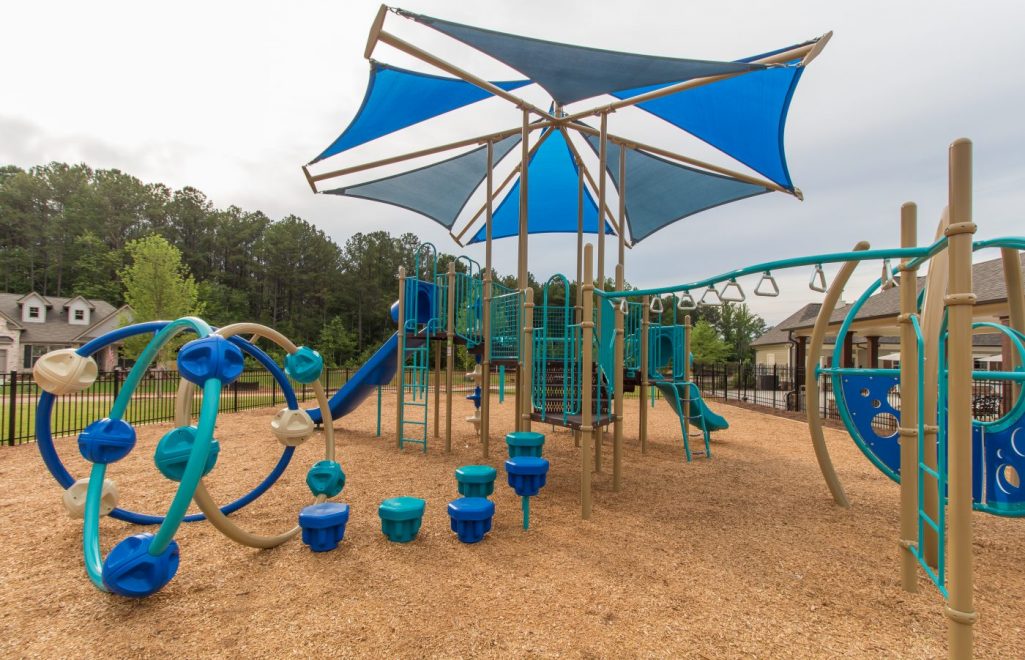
485 402
587 332
602 165
643 413
959 302
527 399
522 248
401 361
1015 307
580 236
437 392
450 353
617 432
908 430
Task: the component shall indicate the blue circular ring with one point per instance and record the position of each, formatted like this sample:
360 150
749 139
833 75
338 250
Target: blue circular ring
44 434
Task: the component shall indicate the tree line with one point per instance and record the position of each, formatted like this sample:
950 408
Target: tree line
68 229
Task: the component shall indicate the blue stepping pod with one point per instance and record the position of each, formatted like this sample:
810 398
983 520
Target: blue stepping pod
471 518
476 480
323 525
401 518
527 474
130 570
525 443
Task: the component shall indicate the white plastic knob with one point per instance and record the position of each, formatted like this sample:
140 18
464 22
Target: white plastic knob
64 371
475 420
74 498
292 427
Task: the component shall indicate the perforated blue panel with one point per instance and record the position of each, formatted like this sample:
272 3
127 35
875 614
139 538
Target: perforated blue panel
866 400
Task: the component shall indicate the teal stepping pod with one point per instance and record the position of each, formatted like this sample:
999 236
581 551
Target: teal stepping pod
476 480
525 443
401 518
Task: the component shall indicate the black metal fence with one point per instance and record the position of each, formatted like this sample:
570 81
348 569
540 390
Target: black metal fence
771 386
154 398
782 388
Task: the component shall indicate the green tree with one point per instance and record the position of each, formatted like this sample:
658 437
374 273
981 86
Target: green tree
336 343
157 285
706 344
739 326
96 269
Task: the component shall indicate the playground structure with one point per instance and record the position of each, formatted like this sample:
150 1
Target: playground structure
580 348
142 564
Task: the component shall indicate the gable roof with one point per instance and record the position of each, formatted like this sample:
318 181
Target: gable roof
56 329
85 300
33 293
778 334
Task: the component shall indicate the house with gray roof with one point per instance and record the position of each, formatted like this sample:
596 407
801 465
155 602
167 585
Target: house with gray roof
873 340
32 324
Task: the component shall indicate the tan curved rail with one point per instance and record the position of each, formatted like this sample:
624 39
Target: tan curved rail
183 417
811 389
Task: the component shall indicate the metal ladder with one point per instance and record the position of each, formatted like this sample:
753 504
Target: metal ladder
416 372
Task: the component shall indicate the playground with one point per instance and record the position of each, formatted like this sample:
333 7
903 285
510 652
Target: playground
740 555
563 517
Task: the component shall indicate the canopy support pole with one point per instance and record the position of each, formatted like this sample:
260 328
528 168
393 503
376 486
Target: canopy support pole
521 269
603 158
617 428
908 430
590 180
485 402
580 239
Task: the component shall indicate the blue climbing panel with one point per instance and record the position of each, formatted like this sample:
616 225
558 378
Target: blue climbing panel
998 448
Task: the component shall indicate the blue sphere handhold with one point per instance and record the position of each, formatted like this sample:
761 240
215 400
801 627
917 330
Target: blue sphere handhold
210 357
325 478
130 570
305 365
106 440
174 449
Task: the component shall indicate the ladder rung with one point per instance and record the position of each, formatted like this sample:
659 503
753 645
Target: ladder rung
928 470
922 515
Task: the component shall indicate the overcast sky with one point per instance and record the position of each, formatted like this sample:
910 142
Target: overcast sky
233 97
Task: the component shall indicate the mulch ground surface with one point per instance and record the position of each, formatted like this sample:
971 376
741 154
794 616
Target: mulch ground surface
743 555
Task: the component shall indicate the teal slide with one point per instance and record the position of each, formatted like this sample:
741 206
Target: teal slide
699 411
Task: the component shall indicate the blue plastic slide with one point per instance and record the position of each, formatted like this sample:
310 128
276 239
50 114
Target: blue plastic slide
379 370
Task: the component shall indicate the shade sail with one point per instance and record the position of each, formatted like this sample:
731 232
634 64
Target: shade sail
660 192
573 73
743 116
439 190
397 98
552 194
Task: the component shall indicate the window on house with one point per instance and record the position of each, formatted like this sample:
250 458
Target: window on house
79 314
33 312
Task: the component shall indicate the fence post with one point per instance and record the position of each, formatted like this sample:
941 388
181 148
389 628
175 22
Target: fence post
273 391
12 391
234 392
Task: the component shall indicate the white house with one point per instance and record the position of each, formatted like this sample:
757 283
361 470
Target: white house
31 325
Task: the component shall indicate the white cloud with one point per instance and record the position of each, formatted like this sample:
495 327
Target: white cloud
232 97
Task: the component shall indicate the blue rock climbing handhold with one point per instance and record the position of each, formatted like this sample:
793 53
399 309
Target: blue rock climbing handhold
173 451
130 570
210 357
106 440
304 366
325 478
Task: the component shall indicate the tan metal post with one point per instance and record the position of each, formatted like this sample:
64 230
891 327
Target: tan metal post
528 359
599 431
580 237
685 401
587 386
617 433
643 416
401 358
522 248
908 430
450 353
1015 306
959 302
485 402
437 393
